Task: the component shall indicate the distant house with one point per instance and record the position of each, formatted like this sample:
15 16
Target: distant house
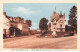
57 22
17 22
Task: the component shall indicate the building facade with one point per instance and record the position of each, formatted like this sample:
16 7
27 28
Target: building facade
57 22
6 24
16 22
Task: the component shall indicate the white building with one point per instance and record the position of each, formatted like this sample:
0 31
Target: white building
58 22
6 24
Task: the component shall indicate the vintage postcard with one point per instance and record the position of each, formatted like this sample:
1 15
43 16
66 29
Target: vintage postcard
39 25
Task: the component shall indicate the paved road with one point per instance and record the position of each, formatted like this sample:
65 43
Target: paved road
32 42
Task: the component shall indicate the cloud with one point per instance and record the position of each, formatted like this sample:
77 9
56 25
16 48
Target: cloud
34 26
33 23
24 11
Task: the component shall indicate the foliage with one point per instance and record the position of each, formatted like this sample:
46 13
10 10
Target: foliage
29 23
73 17
43 24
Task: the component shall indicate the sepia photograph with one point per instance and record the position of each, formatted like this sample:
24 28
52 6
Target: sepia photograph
40 25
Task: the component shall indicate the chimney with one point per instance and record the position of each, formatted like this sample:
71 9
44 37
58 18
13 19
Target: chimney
4 13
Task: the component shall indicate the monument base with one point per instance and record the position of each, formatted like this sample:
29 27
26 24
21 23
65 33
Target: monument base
54 34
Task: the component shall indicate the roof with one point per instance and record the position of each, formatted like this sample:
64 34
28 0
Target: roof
55 16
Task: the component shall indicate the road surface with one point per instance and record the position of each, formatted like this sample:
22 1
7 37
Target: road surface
32 42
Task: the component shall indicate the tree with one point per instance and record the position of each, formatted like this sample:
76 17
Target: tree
73 17
43 25
67 28
29 23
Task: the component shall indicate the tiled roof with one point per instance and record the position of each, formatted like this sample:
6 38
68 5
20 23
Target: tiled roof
56 16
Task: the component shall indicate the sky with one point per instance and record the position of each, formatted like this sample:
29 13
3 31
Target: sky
36 11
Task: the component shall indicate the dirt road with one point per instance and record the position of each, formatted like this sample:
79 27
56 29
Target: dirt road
32 42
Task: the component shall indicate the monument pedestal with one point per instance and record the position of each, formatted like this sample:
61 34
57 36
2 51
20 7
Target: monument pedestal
54 34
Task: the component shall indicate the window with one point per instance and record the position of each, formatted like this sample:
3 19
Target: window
61 21
60 25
